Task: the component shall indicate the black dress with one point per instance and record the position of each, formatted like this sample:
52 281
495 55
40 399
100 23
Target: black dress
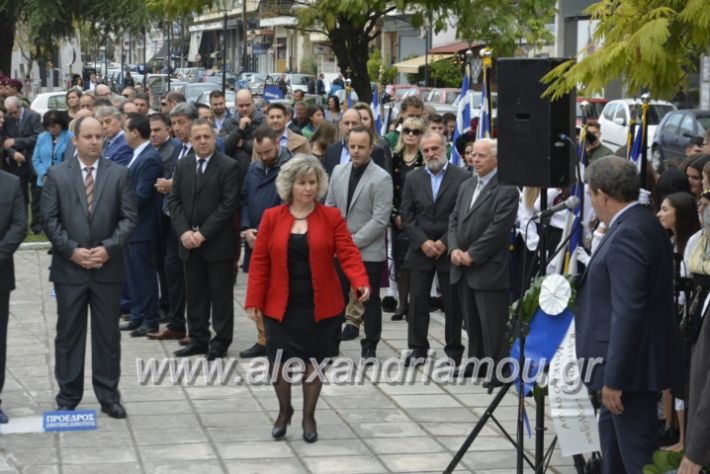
299 335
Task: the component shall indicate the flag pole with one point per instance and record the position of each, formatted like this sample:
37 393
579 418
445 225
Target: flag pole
487 55
646 99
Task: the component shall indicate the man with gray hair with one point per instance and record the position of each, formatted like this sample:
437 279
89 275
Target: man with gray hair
625 317
428 198
484 214
22 127
115 147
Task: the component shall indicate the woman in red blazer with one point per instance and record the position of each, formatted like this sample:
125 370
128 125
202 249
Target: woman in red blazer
293 283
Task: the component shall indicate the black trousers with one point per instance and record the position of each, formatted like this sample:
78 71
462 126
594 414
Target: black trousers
73 303
142 282
373 307
486 313
4 315
175 281
160 250
629 440
418 316
208 286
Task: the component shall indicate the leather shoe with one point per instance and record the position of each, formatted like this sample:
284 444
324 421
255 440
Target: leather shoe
189 350
399 315
368 356
143 331
130 326
349 333
114 410
165 334
415 359
216 353
3 417
389 303
278 432
310 436
257 350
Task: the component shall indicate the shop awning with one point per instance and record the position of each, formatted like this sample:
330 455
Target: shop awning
411 66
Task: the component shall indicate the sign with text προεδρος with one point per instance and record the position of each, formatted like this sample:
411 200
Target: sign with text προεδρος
75 420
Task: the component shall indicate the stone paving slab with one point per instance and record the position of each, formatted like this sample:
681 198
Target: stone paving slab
202 427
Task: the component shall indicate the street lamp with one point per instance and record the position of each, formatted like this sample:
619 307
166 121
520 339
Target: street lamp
226 6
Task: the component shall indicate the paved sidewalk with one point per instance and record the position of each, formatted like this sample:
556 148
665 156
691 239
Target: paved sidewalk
185 428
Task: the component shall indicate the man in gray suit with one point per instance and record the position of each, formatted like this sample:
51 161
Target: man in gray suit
478 248
88 213
363 193
428 199
13 229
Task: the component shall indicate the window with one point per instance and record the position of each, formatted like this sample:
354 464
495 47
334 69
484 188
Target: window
672 123
687 126
621 114
609 111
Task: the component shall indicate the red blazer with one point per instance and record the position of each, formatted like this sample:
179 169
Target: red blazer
328 236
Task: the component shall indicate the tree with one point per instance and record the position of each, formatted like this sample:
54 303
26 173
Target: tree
651 45
373 68
49 20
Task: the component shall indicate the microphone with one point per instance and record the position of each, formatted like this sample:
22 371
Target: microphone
570 203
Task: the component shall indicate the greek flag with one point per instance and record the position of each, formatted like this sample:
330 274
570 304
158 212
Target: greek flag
463 119
350 99
636 147
375 106
484 122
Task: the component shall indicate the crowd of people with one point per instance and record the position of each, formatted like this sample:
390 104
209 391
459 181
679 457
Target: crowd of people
152 213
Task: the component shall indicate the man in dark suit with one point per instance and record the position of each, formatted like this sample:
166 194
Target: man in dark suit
485 212
13 229
141 275
22 127
428 199
115 147
627 331
237 131
204 198
88 213
181 117
338 153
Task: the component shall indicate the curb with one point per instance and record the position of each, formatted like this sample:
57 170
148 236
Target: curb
36 246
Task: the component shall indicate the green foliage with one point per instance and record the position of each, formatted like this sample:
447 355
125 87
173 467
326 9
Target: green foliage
446 73
650 45
531 299
308 65
373 69
663 462
173 9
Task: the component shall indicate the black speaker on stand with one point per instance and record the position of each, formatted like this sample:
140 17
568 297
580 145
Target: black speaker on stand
530 150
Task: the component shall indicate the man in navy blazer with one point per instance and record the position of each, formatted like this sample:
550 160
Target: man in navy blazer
115 147
145 168
627 331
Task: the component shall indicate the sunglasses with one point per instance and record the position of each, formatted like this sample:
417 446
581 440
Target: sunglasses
411 131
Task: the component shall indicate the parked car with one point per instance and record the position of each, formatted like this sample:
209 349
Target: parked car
298 82
588 108
675 131
49 101
615 118
442 99
229 100
216 78
193 90
243 80
256 83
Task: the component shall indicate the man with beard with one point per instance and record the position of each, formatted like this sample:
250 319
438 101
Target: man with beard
428 199
237 131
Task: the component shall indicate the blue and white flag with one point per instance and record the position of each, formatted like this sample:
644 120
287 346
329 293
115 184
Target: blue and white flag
484 121
375 106
463 119
350 98
636 147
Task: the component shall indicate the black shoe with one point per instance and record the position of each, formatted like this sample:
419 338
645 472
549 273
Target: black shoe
436 303
133 325
368 356
310 436
466 372
216 353
400 314
349 333
3 417
190 350
143 331
36 230
415 359
278 432
389 303
668 437
257 350
114 410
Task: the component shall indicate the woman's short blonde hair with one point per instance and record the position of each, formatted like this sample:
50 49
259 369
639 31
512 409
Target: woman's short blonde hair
298 166
411 122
